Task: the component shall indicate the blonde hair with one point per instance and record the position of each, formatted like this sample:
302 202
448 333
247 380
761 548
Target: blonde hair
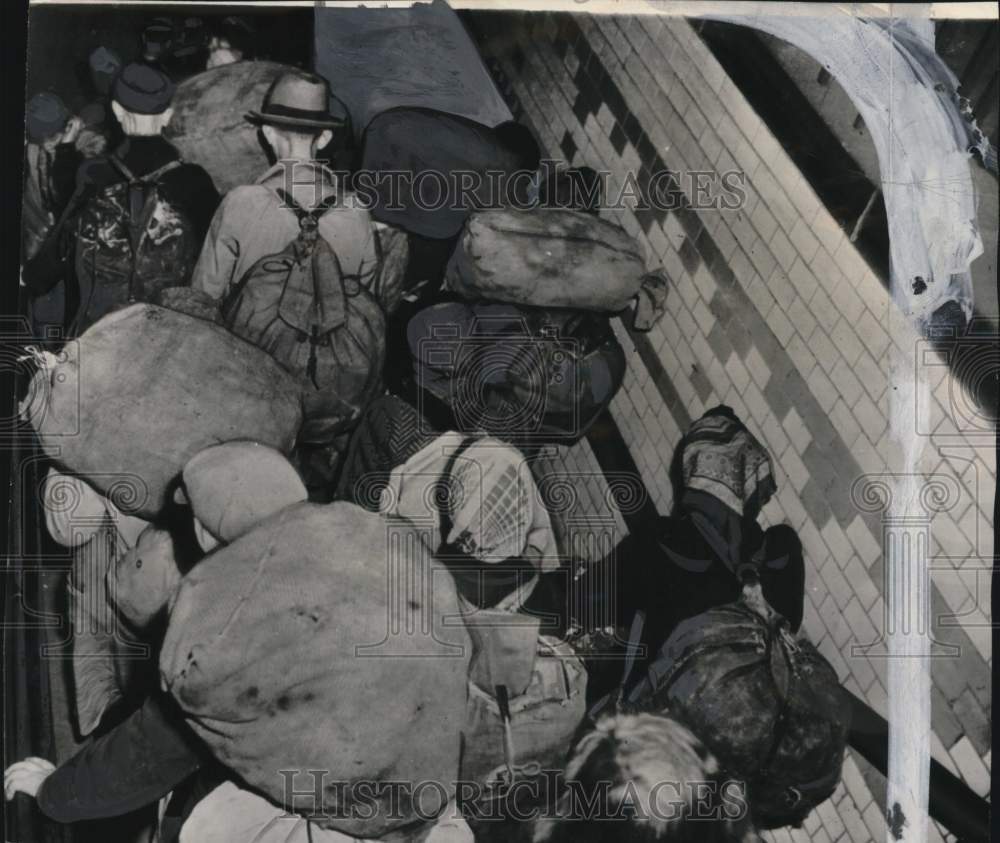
625 763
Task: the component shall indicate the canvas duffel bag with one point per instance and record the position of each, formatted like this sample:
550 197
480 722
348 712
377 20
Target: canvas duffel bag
280 650
768 706
517 373
546 257
544 716
144 390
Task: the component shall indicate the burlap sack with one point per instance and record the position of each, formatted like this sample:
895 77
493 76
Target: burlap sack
318 641
209 125
544 718
142 581
144 390
547 257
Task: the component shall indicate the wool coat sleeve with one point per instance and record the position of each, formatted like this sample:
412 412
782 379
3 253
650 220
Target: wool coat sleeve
135 764
216 267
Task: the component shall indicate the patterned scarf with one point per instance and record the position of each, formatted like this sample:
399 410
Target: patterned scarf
728 477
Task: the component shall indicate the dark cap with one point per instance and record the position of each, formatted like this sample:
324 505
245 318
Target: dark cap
45 115
103 60
239 32
142 89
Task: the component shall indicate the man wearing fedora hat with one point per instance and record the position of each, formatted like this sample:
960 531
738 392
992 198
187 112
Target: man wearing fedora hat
297 119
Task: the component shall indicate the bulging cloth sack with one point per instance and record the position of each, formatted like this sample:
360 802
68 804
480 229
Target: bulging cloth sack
325 639
230 814
209 127
544 717
74 511
769 707
144 390
108 660
547 257
523 374
142 580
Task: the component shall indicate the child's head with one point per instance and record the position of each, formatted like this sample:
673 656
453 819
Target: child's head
646 778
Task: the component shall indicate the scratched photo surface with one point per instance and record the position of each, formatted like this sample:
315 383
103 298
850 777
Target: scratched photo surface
471 421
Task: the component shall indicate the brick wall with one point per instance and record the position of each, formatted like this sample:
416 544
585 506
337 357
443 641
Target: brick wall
773 312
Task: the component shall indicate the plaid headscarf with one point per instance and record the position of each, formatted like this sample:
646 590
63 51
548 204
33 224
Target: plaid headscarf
722 458
496 509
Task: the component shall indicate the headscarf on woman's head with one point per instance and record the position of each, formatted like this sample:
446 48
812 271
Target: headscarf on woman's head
720 457
727 478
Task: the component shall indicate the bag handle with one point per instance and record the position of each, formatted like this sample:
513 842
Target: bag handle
445 519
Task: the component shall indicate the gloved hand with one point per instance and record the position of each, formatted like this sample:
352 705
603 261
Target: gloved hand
26 776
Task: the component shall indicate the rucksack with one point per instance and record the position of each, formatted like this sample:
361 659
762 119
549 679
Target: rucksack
321 325
521 374
768 706
131 242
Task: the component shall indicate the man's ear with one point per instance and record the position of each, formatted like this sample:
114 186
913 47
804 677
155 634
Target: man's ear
323 139
269 136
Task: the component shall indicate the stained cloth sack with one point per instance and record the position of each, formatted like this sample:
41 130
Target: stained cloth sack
107 657
280 652
544 716
74 510
190 301
147 388
768 706
547 257
234 486
209 127
111 665
230 814
142 580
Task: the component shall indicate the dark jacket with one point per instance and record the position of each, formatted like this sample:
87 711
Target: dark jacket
136 763
188 187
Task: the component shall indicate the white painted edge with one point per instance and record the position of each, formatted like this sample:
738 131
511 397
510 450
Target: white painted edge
666 8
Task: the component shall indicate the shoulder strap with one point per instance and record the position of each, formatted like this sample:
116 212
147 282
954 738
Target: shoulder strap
446 520
158 173
119 165
304 214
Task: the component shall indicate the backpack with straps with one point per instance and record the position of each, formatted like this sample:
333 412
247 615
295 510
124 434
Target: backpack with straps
131 242
320 324
767 705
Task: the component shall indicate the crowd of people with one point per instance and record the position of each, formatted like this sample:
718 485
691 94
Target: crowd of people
114 217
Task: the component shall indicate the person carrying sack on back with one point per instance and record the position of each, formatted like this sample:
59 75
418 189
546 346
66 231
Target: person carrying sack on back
292 263
137 216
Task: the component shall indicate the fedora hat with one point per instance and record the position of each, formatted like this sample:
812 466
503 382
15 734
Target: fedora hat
300 101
